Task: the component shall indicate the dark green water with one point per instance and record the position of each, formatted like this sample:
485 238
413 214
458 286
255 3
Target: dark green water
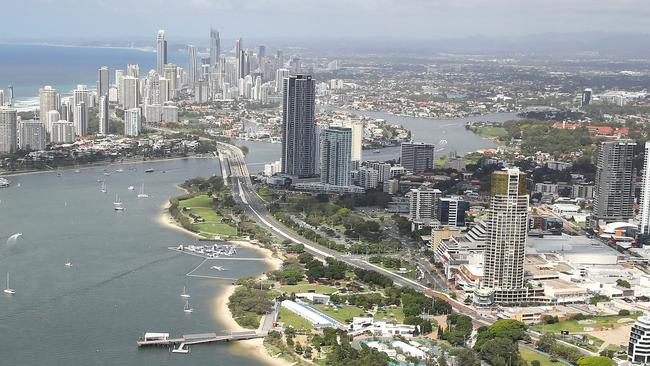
123 281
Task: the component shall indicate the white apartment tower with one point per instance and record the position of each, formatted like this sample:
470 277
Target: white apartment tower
507 228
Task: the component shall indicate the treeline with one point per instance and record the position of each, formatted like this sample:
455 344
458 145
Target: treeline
249 302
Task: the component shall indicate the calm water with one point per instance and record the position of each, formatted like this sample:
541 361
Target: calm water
123 281
29 67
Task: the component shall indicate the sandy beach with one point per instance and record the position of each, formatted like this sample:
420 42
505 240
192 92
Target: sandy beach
220 309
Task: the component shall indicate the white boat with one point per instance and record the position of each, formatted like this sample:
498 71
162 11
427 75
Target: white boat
119 170
131 188
68 263
103 189
142 194
117 205
187 308
185 294
217 268
8 290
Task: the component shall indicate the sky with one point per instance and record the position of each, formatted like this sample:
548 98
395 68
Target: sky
327 19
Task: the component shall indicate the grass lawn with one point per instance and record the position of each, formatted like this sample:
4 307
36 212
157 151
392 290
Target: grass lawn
343 314
391 313
306 287
574 326
531 355
290 319
267 194
492 131
202 206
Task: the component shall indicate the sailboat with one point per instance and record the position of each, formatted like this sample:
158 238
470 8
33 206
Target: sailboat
117 205
103 189
142 194
8 290
185 294
187 308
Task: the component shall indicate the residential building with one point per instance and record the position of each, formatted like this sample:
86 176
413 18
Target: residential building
614 194
417 157
103 82
8 132
645 192
31 135
507 228
335 146
132 122
424 203
63 132
452 212
638 350
103 115
161 52
48 101
299 143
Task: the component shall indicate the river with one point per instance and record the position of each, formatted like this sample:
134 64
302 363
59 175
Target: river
458 138
123 280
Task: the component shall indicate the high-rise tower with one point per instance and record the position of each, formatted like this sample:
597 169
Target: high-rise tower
215 47
299 143
336 143
161 52
614 196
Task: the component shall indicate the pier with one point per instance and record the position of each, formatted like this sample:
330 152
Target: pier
163 339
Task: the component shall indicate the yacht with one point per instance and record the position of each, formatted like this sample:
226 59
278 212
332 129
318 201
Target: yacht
131 188
187 308
149 170
117 205
142 194
185 294
8 290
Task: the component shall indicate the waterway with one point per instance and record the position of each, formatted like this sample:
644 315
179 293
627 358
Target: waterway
123 280
448 135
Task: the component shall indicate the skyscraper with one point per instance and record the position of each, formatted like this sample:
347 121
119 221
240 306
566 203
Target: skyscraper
130 92
280 75
299 143
586 97
31 135
417 157
191 64
614 191
81 119
119 84
240 58
645 192
48 101
132 122
336 143
261 53
8 132
423 203
215 47
161 52
507 229
102 81
357 140
103 115
62 132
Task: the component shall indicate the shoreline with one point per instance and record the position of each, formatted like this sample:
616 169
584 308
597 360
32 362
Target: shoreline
99 164
220 311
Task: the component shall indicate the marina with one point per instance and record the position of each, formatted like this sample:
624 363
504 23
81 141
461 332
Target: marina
208 250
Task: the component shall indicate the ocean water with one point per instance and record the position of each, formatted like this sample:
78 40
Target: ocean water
29 67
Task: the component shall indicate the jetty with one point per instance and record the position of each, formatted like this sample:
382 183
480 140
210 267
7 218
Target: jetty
163 339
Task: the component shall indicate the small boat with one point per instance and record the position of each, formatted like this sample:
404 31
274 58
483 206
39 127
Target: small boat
181 350
77 171
117 205
119 170
376 151
185 294
131 188
68 263
187 308
217 268
8 290
103 189
149 170
142 194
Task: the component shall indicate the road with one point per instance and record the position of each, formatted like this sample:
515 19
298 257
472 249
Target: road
255 207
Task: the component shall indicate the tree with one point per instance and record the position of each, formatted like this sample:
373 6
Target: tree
442 360
623 283
595 361
500 352
623 312
467 357
545 342
535 363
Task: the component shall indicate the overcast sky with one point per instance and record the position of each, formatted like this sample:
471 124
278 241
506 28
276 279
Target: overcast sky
417 19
